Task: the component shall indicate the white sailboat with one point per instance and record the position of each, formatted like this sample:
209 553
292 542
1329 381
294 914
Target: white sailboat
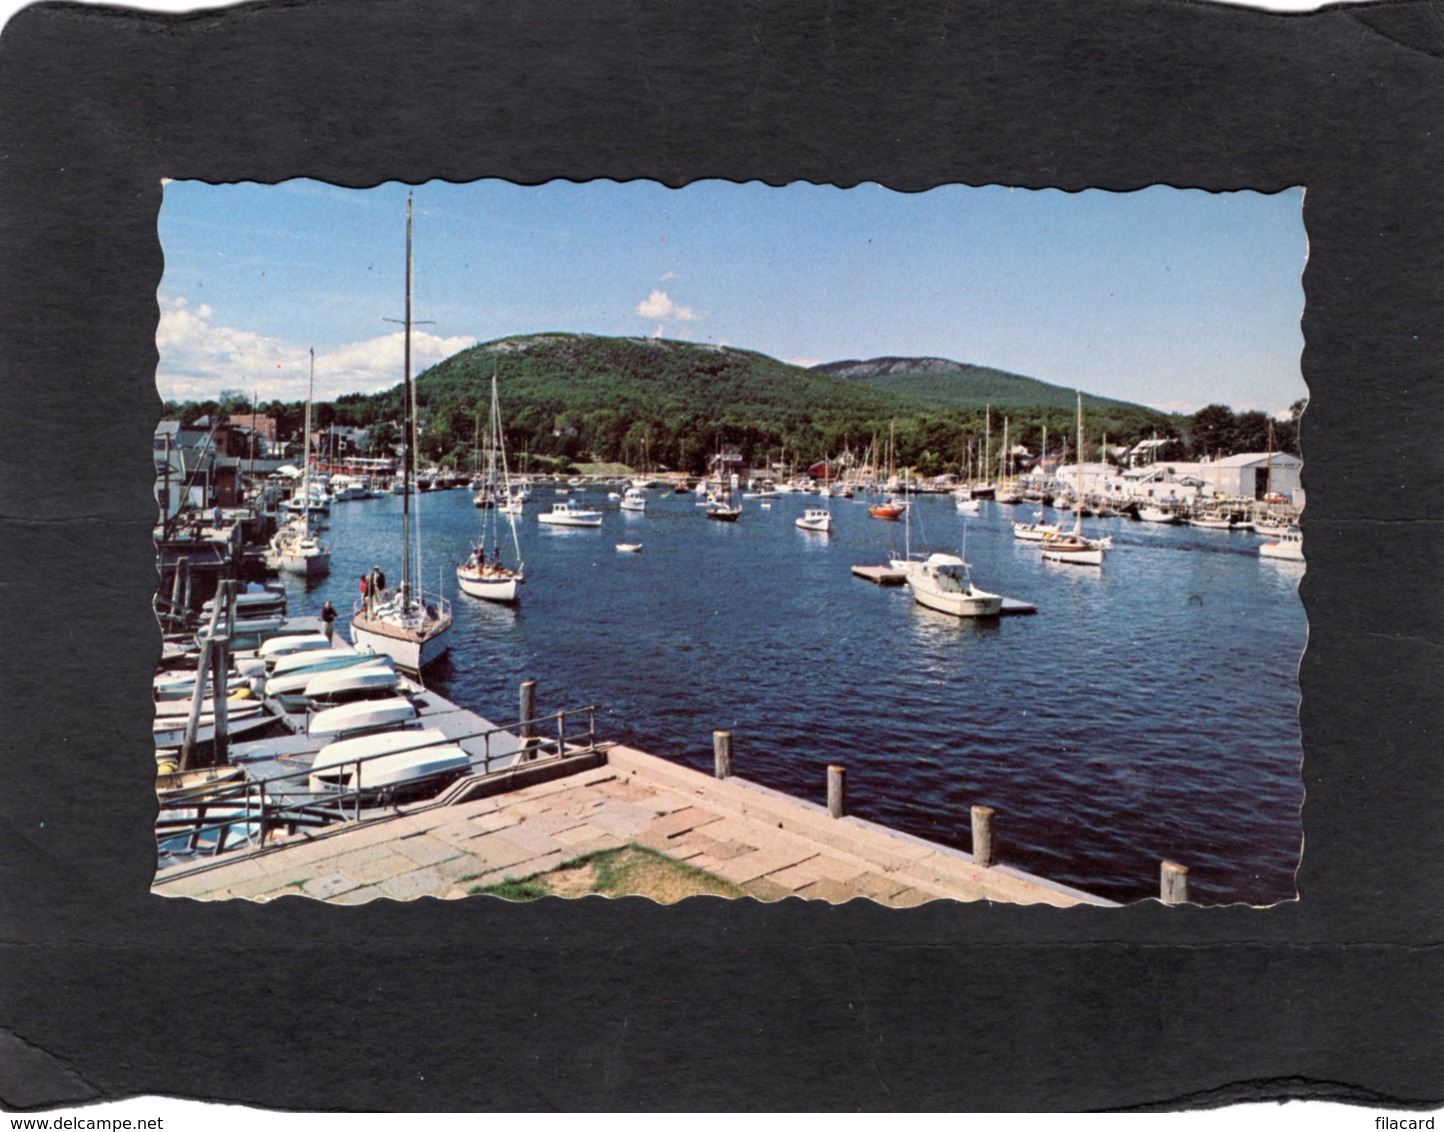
479 575
295 548
1074 549
410 626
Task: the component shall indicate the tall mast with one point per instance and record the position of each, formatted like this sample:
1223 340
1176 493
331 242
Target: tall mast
408 467
987 440
306 450
1078 525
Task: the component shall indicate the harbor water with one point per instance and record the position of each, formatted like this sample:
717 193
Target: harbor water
1149 710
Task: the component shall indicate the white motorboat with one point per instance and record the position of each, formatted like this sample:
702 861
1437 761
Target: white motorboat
965 503
1212 521
634 499
630 547
943 582
361 716
815 519
482 576
412 627
387 759
1289 547
570 515
1150 514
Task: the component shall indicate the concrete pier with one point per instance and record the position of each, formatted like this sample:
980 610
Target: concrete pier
769 844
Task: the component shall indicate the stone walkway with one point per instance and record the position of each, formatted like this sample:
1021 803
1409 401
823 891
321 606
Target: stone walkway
769 844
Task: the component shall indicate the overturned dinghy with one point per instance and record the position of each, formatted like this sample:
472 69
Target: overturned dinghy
368 682
362 716
392 760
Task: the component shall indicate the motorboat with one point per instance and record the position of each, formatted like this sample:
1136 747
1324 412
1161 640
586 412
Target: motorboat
361 716
815 519
892 510
570 514
1151 514
630 547
634 499
943 582
1289 547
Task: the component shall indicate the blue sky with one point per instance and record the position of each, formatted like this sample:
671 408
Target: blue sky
1171 298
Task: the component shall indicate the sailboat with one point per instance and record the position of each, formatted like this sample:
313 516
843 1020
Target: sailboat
894 508
478 576
1074 549
410 626
724 506
294 548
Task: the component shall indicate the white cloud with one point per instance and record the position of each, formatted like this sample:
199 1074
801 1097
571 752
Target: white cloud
658 305
668 275
199 358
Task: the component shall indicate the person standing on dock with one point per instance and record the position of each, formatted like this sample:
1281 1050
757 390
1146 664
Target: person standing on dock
328 621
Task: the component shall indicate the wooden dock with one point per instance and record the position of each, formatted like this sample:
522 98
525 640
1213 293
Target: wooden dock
880 575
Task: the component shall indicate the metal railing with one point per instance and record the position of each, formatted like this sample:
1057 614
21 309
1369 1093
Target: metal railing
249 810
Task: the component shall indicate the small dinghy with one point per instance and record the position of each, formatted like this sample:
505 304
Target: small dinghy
364 715
630 547
391 759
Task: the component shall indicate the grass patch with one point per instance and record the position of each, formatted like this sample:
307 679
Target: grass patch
632 870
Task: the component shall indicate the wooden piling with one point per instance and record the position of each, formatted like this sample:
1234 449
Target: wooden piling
220 670
188 746
722 753
527 717
1173 883
836 791
983 836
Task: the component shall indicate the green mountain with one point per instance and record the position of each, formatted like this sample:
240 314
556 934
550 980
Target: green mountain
941 383
670 404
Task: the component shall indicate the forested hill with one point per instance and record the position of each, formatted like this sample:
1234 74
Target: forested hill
581 398
670 404
667 402
959 385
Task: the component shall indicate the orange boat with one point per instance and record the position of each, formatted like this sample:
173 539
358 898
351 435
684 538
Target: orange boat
890 510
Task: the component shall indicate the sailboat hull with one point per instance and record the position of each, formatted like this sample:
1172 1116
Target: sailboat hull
413 638
503 587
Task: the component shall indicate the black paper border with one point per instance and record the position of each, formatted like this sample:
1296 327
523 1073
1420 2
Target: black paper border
109 991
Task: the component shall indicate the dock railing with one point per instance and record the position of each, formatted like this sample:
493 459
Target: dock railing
247 811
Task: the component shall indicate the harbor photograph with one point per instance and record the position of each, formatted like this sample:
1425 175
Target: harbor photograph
736 540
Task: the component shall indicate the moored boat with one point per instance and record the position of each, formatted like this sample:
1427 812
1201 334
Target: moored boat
815 519
1289 546
943 582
